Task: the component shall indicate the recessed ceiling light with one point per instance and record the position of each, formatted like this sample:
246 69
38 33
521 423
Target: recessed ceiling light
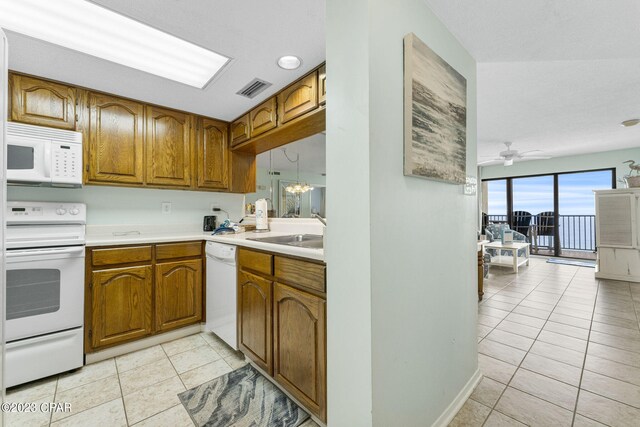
88 28
289 62
630 122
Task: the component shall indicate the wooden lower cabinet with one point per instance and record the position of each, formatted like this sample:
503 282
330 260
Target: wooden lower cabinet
140 290
178 291
299 342
282 323
121 305
254 319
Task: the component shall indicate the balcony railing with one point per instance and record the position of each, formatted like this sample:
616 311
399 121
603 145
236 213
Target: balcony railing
577 232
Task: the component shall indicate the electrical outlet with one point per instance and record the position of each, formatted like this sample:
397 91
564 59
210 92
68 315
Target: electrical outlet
166 207
214 206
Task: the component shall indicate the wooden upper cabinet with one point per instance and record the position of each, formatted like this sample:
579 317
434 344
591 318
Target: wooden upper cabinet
120 304
254 319
299 355
264 117
240 130
44 103
299 98
178 294
116 140
213 161
169 145
322 85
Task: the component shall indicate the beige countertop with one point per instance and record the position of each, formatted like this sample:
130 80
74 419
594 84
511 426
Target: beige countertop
108 235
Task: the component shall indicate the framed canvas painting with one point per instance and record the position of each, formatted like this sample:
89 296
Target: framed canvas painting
435 115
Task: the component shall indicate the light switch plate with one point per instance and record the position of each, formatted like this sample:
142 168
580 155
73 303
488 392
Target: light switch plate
166 207
470 186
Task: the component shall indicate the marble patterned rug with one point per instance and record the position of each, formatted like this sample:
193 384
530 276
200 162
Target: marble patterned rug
241 398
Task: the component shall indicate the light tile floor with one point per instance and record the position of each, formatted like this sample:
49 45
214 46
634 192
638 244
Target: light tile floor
139 388
557 348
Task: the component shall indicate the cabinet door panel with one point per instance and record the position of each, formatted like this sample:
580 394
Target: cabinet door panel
44 103
116 140
254 319
213 163
299 345
121 305
240 130
168 143
178 294
298 98
263 117
322 85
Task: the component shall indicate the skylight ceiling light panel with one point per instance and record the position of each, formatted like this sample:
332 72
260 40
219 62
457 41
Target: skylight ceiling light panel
86 27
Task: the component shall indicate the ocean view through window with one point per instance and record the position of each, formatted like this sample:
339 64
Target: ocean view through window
555 211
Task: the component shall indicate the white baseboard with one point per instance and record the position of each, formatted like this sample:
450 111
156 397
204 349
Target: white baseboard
141 344
445 418
621 277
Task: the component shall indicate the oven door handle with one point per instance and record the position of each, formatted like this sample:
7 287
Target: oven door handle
43 252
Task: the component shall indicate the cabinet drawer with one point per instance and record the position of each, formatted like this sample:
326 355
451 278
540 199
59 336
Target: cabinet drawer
307 274
256 261
178 250
124 255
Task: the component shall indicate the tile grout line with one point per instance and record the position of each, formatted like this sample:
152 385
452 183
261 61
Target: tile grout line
55 392
535 340
634 305
173 366
82 385
518 367
599 394
124 405
586 351
174 369
527 353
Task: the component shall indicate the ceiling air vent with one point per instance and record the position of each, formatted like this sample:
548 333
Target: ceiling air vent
253 88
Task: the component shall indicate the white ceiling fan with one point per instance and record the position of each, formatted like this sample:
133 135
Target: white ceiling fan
508 156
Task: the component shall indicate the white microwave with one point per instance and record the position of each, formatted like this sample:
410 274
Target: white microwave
43 156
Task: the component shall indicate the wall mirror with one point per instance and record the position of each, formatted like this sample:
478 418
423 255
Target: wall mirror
293 179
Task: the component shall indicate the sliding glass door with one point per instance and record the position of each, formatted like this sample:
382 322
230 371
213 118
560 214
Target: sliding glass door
555 211
495 200
577 211
533 211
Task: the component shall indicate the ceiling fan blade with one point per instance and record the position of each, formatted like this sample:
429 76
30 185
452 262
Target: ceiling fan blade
530 151
535 157
490 161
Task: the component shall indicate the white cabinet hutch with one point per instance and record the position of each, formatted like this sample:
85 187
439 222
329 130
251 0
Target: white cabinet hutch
618 234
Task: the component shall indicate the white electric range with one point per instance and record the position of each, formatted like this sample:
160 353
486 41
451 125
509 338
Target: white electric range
45 289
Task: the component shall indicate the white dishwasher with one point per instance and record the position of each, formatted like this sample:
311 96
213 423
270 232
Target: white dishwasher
221 292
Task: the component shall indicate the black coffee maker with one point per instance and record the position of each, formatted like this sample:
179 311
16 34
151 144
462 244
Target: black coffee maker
209 223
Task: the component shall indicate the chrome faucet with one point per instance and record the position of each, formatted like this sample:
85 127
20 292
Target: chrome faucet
319 218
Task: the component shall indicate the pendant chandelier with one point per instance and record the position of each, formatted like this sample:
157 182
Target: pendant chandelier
298 187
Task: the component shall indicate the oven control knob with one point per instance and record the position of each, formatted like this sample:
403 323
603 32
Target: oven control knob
74 211
61 211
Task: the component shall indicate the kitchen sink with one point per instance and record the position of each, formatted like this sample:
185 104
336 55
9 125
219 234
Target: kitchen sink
311 241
